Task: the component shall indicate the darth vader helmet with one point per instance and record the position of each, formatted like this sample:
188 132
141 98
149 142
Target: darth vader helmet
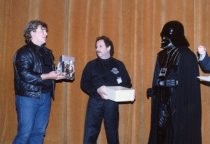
172 34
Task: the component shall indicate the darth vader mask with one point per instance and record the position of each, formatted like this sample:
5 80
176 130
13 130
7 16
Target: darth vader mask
166 43
173 33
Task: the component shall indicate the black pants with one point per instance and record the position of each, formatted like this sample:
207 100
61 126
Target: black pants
97 111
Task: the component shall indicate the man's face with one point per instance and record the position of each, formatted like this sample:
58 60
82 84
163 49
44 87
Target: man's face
39 36
102 51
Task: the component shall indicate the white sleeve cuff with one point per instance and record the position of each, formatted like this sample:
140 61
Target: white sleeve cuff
201 57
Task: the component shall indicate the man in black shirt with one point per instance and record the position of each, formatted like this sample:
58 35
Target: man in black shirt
99 73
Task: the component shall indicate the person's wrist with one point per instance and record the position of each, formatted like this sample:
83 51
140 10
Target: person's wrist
201 56
44 76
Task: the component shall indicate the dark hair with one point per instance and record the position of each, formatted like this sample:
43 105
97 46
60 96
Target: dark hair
32 26
107 42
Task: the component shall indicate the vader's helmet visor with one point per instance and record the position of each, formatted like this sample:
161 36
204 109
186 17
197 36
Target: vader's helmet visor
173 31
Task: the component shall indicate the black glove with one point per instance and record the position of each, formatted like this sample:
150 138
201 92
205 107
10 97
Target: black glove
151 92
168 83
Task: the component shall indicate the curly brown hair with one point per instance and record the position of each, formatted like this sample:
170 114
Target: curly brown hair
32 26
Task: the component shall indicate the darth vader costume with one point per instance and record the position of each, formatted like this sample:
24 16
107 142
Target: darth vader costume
175 92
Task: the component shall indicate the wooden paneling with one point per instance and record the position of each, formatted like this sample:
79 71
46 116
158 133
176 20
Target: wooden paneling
133 25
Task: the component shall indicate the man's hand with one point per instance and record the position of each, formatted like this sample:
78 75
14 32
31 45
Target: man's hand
102 91
201 50
52 75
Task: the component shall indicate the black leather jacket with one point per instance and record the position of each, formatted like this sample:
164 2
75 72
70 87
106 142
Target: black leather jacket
30 61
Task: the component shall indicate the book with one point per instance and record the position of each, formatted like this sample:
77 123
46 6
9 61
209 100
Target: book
66 66
204 78
120 94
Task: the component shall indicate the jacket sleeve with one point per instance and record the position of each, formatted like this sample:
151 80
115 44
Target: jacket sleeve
125 76
90 80
23 64
205 64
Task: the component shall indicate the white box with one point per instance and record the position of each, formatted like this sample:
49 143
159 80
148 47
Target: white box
120 94
204 78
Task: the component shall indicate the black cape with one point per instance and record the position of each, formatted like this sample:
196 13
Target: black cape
186 122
